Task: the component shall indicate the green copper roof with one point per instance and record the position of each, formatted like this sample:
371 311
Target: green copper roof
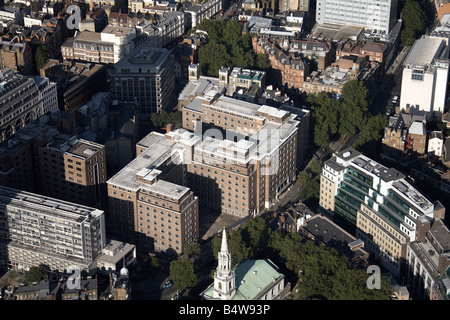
252 278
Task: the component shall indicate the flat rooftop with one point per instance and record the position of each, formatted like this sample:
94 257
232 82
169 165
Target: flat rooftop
424 51
145 57
159 149
84 148
46 205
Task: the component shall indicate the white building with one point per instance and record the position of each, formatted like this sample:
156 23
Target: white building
196 13
41 230
121 38
48 93
250 280
425 76
378 16
436 143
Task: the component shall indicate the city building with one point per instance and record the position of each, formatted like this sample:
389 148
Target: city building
441 290
293 5
76 82
16 56
198 12
322 230
108 46
42 160
288 69
425 76
116 255
376 17
406 132
428 258
318 51
38 230
237 167
148 202
145 76
435 143
378 203
22 101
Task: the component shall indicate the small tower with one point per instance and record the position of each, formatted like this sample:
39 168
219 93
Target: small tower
224 278
193 72
224 73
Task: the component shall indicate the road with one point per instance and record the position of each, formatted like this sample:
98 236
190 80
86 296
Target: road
390 85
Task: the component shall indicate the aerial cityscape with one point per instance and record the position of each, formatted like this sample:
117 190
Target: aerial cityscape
228 150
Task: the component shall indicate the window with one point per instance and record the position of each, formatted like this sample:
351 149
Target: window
417 74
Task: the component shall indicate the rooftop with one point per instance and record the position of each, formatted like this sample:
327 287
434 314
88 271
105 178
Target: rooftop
423 52
253 278
159 149
48 206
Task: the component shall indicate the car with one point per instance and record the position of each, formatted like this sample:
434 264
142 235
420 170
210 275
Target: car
389 111
395 99
167 284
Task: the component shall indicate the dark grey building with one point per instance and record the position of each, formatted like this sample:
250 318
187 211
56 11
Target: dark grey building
20 102
146 76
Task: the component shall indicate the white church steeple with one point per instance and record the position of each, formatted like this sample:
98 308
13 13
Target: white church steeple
224 278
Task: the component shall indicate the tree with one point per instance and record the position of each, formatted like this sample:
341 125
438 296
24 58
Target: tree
323 272
41 57
236 245
353 107
182 274
232 32
255 234
163 118
369 140
34 274
414 19
262 62
226 47
193 250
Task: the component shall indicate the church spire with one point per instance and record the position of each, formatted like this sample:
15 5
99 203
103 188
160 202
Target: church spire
224 247
224 278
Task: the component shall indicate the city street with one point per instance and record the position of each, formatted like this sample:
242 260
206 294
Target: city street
390 85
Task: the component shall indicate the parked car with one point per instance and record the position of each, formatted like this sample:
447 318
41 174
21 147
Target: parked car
167 284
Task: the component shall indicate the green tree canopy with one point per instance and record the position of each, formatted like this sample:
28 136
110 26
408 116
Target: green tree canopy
414 21
353 107
182 274
163 118
323 272
236 245
34 274
226 47
193 250
41 57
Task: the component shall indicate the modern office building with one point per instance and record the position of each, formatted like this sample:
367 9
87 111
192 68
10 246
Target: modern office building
377 16
38 230
376 203
425 77
146 76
